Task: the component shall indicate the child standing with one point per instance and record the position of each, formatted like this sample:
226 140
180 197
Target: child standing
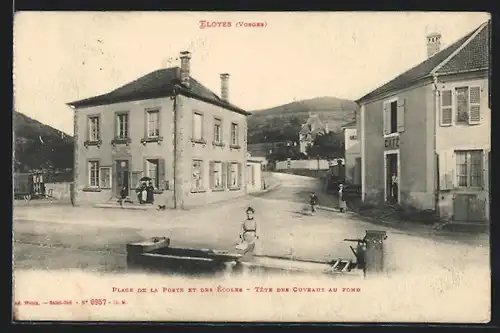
313 201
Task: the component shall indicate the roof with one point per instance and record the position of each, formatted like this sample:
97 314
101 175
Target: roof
159 83
313 119
468 53
350 124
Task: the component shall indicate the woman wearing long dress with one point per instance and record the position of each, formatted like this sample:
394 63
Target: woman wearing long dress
248 235
144 193
342 202
150 195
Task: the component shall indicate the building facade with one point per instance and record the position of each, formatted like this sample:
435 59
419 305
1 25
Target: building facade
425 136
312 127
352 153
254 180
165 126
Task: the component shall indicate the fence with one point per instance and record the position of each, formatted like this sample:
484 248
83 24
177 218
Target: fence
303 165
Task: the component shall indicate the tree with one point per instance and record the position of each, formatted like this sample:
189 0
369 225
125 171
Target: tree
327 146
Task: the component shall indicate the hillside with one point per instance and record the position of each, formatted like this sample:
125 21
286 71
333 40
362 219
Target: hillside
283 122
38 146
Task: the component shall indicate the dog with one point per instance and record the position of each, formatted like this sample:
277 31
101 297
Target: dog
162 207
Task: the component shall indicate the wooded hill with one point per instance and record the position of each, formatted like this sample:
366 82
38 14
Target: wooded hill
39 147
283 123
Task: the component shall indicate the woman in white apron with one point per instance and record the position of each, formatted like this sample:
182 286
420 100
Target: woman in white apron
248 235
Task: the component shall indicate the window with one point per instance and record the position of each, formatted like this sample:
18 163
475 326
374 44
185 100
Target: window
94 129
152 171
394 117
197 176
122 125
217 130
234 181
216 175
462 103
197 126
468 105
234 134
105 177
469 168
93 173
153 123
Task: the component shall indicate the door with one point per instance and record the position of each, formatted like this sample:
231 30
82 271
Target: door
392 178
122 176
468 208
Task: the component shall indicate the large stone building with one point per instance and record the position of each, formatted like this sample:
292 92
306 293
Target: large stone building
166 126
425 135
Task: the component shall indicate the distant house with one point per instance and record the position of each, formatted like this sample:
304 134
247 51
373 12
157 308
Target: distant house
312 128
352 153
165 126
425 135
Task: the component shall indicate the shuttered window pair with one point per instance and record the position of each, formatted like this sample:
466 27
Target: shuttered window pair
394 116
154 168
462 105
462 168
225 175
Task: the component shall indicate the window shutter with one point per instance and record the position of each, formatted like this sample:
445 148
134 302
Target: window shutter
442 171
474 105
387 118
446 116
115 126
401 115
229 173
452 166
447 167
211 174
161 174
224 174
114 177
88 129
240 174
145 124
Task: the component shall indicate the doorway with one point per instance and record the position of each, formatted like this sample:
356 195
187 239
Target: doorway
122 176
392 178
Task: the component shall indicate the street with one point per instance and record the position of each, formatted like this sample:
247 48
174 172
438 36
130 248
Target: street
93 240
63 237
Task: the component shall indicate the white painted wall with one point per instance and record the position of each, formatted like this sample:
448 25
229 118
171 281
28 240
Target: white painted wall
254 176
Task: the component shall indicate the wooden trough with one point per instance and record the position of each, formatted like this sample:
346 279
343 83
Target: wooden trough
157 255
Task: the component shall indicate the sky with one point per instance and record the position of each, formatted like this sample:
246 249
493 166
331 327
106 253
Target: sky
60 57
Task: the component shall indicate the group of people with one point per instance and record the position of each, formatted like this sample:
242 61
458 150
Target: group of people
248 232
342 204
145 193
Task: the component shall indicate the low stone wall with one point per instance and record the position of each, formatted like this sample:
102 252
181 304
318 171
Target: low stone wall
59 191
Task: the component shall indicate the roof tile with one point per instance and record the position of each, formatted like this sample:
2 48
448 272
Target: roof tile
159 83
472 57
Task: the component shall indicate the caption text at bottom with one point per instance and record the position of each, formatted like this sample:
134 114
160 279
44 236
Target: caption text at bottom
221 289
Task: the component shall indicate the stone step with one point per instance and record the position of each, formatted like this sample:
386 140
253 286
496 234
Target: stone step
126 206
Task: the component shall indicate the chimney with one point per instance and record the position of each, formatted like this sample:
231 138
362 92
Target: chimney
433 44
224 89
185 68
